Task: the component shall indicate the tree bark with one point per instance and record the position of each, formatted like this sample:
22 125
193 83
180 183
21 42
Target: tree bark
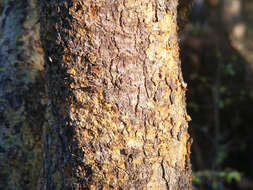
116 94
22 103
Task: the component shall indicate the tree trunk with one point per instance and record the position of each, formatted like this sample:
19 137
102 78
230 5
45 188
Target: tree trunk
21 101
116 114
117 97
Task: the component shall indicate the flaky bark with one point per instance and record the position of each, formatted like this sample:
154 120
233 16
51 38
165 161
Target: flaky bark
117 96
21 101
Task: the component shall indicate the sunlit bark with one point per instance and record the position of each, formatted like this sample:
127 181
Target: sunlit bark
116 94
116 114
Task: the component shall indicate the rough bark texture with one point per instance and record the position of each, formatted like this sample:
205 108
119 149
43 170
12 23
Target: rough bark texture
116 95
21 101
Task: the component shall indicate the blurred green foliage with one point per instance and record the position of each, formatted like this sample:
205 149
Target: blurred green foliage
216 179
219 101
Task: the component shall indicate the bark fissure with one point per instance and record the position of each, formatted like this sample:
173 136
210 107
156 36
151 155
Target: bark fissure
164 175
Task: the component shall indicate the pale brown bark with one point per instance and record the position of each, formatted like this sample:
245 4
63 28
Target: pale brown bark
117 96
21 95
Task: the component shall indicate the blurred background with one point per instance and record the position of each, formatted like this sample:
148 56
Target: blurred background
217 64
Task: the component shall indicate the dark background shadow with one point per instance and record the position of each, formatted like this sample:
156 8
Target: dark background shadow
219 101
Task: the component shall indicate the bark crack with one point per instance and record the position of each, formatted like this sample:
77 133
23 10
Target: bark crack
145 81
138 101
164 175
4 13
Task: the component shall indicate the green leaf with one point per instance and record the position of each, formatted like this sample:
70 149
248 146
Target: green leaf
196 180
229 70
233 175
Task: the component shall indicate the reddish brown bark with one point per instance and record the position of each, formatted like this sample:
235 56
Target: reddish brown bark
117 96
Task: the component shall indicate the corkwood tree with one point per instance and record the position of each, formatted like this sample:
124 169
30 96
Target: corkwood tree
110 112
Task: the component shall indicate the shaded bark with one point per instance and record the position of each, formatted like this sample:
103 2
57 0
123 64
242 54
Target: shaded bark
117 97
21 95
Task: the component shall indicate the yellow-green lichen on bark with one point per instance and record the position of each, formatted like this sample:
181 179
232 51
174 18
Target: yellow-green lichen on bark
117 94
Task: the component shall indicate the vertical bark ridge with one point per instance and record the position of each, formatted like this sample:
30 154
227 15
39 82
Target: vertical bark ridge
117 96
21 96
